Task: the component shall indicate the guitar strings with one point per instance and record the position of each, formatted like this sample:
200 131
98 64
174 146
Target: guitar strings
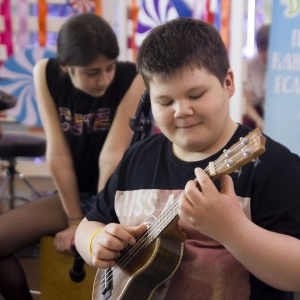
155 229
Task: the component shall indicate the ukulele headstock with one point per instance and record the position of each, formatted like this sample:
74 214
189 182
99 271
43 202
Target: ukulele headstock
247 149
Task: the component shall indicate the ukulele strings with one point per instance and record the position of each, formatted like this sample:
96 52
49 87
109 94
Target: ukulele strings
155 229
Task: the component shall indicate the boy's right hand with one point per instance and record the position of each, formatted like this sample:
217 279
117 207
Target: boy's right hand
111 240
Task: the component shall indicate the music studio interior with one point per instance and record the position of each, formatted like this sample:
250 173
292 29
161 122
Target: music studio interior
23 168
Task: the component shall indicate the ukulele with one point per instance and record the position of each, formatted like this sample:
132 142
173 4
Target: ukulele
157 253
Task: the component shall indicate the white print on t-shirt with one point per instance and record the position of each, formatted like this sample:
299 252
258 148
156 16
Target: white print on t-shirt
133 207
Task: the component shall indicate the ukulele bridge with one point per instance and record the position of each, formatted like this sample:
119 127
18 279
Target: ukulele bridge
107 283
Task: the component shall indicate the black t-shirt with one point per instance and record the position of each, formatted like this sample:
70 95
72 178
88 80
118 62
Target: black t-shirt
150 177
85 119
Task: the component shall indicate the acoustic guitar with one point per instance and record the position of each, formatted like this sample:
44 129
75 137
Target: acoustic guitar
155 257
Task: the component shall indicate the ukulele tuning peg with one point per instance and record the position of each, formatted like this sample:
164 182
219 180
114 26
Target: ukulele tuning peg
237 170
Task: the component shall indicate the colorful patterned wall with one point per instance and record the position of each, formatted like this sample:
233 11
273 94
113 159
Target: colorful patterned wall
28 32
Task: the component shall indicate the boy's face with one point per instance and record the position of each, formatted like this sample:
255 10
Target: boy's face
95 78
192 110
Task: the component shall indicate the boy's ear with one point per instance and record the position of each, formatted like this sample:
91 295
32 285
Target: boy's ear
229 83
229 80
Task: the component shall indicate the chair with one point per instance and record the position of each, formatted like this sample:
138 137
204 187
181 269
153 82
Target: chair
54 273
12 146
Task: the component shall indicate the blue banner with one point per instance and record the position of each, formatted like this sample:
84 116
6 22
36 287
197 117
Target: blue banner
282 106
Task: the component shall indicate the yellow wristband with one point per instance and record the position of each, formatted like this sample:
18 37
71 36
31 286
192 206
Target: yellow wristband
92 238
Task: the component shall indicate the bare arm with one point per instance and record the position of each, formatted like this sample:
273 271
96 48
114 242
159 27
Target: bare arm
264 253
120 133
58 157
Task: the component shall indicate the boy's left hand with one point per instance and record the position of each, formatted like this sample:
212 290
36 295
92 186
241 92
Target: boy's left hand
213 213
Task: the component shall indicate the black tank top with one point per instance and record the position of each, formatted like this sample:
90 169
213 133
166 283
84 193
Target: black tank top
85 119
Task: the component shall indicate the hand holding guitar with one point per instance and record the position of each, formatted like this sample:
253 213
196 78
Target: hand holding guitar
209 211
111 240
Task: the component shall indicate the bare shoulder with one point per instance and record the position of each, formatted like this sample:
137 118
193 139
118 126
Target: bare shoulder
40 66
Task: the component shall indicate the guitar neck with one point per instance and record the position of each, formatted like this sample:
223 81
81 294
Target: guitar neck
163 221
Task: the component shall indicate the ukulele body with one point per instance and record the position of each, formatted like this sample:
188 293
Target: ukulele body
148 269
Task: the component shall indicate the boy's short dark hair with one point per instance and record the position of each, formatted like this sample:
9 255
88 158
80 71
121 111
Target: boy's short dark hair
262 38
180 43
83 37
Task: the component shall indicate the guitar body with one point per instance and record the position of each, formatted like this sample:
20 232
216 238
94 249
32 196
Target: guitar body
149 268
